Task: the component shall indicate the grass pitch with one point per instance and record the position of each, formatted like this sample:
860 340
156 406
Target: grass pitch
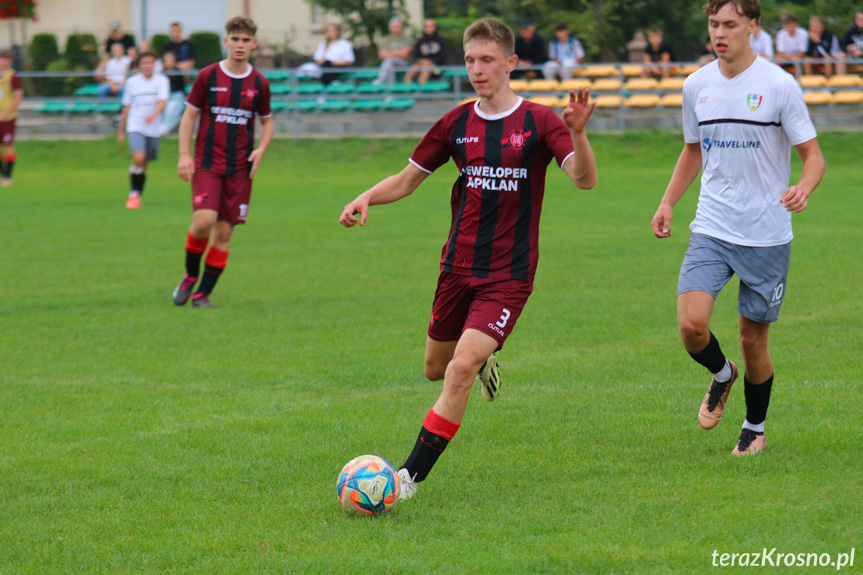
140 437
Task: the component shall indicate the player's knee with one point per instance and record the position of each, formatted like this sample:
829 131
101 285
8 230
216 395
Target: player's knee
434 371
461 372
752 344
692 331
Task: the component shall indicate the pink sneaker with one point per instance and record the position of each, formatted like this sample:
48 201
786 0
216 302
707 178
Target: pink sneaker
134 202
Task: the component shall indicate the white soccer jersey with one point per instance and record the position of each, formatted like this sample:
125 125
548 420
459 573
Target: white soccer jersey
142 95
746 126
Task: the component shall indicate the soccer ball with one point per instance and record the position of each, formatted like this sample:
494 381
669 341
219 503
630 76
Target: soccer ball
368 484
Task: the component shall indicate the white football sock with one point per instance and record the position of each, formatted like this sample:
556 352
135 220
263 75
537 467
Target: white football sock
759 428
723 374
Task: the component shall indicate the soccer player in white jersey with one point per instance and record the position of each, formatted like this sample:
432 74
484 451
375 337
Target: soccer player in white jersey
741 115
144 99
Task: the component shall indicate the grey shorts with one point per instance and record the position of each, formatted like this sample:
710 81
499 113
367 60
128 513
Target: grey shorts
138 142
763 271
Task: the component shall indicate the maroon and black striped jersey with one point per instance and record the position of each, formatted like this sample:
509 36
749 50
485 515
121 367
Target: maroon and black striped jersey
226 131
497 198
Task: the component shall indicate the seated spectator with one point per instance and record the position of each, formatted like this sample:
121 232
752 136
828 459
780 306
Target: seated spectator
175 105
761 43
112 73
394 49
565 53
791 43
332 52
852 41
658 55
429 52
823 45
530 49
144 46
184 51
116 36
707 54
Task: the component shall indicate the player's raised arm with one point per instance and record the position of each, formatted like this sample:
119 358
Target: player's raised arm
386 191
581 167
685 171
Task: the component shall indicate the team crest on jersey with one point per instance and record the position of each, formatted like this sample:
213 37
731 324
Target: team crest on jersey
516 139
250 94
753 101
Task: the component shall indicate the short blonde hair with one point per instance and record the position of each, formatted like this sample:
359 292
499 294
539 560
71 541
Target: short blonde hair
491 30
241 24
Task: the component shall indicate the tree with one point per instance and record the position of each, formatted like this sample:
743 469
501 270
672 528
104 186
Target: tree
364 18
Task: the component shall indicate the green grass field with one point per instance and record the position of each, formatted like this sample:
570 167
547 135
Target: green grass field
140 437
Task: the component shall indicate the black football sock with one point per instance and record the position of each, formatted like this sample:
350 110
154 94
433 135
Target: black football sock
137 182
193 264
435 435
711 356
208 282
9 165
4 169
757 400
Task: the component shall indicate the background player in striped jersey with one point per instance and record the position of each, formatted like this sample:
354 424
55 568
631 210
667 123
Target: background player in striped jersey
11 94
227 95
741 115
502 146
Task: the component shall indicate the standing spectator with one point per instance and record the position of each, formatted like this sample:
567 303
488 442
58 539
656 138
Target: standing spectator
11 95
791 43
852 41
112 73
761 43
332 52
116 36
394 49
227 95
530 49
429 51
177 82
144 98
823 45
184 51
657 52
564 54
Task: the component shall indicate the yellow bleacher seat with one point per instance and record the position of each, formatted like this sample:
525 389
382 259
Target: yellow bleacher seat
606 85
641 84
813 81
688 69
848 97
599 71
608 101
671 83
819 97
576 84
550 101
630 70
643 101
518 85
671 100
543 85
844 80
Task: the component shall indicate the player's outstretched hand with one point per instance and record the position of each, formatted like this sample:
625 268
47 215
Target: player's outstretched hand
359 206
661 223
186 167
255 158
578 112
795 199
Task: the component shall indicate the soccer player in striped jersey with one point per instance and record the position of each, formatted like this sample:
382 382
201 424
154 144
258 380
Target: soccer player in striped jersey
501 145
741 116
226 95
11 94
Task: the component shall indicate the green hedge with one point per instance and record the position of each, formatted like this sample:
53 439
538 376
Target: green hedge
158 43
82 51
208 48
43 51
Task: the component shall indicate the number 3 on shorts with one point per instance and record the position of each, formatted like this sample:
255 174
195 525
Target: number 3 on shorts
504 317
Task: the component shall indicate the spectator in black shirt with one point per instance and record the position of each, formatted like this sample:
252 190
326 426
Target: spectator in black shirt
429 51
530 49
852 41
116 36
176 99
183 50
657 52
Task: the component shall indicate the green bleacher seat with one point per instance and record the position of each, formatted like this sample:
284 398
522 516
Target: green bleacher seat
340 88
307 105
402 88
110 107
454 73
398 104
310 88
278 75
371 88
52 108
435 86
362 75
83 107
335 106
88 90
278 105
367 105
281 89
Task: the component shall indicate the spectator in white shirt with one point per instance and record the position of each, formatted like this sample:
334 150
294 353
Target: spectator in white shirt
761 43
564 54
112 73
791 43
332 52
